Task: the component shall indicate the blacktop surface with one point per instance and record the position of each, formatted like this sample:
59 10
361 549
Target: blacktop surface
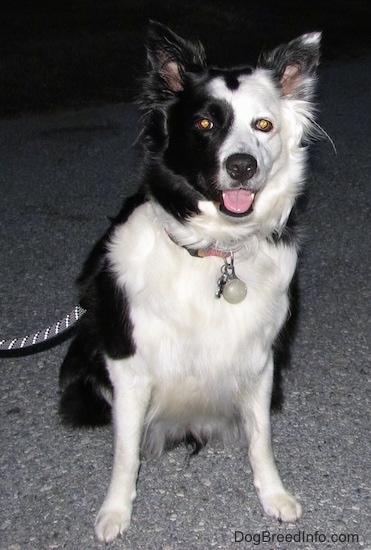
62 173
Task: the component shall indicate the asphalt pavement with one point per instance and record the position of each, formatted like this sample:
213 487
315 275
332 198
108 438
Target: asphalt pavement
61 175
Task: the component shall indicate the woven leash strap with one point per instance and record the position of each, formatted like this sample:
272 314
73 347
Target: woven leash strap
44 335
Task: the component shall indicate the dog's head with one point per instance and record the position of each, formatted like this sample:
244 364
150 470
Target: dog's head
225 146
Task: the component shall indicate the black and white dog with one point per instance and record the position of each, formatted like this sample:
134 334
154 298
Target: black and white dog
188 289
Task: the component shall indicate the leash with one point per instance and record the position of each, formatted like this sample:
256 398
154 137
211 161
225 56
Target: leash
42 336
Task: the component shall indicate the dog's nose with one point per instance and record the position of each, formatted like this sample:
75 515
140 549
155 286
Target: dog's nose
241 167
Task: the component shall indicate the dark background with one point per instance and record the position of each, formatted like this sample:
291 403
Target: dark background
68 54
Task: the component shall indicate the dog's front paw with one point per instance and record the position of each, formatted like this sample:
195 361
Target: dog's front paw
112 522
282 506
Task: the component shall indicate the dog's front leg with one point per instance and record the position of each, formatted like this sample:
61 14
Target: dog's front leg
275 499
131 397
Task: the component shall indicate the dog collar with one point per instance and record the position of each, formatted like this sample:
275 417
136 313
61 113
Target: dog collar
206 252
228 285
202 252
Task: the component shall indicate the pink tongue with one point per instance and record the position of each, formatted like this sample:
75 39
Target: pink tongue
237 200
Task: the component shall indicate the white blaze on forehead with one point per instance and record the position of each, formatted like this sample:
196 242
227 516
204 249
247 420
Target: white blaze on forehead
256 97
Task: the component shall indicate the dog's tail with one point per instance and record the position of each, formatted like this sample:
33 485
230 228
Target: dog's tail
86 391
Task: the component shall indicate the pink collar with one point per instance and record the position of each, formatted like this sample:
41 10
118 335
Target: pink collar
209 251
203 252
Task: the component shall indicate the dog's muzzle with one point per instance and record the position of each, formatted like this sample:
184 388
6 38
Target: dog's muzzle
238 200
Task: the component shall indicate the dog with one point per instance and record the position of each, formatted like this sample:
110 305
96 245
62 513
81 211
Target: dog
188 290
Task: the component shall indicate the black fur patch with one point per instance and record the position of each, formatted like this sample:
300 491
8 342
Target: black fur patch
289 233
82 377
283 343
231 77
231 80
94 263
172 180
113 317
106 328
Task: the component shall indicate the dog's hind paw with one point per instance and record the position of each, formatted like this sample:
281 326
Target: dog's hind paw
110 523
282 506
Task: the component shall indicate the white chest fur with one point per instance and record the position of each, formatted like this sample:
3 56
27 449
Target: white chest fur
180 328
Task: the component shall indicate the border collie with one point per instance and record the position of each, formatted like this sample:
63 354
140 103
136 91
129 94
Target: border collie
187 291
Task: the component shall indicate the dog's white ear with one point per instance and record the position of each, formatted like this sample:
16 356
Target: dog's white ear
170 56
295 64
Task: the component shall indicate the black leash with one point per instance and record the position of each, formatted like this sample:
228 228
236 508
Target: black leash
43 336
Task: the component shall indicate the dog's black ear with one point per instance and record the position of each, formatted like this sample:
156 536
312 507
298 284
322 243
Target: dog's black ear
295 65
170 56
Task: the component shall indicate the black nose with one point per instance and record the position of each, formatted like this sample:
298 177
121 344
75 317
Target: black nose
241 167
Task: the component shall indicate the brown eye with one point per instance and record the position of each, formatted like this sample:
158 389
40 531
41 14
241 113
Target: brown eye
205 124
263 125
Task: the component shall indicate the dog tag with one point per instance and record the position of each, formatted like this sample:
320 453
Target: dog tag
229 285
234 291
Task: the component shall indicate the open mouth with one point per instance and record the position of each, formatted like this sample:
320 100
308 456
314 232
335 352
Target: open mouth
237 202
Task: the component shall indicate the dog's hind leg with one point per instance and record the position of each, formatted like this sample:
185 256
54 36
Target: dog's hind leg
275 499
131 393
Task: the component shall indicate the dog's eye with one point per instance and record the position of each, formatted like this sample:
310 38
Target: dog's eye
263 125
205 124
